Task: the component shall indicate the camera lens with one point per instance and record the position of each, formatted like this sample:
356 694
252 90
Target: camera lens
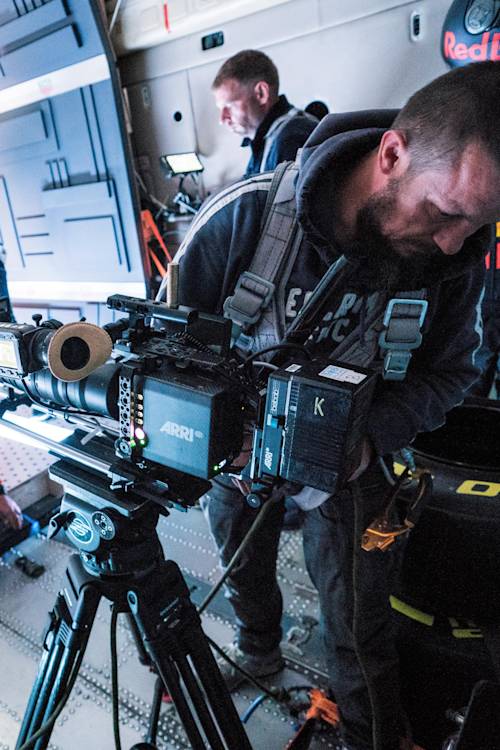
75 353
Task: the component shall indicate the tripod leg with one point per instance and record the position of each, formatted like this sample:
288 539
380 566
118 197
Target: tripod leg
163 654
68 635
155 712
192 687
170 677
44 682
199 702
171 631
215 687
144 657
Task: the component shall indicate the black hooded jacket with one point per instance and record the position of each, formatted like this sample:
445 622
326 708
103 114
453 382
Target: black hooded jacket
284 143
222 239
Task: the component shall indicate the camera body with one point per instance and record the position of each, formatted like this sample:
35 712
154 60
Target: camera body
19 347
188 420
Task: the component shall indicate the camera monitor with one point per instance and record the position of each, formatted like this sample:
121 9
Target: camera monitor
179 164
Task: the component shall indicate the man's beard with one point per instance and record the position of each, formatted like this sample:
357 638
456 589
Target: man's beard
387 263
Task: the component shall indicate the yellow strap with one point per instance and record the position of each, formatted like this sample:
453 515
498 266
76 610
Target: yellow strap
411 612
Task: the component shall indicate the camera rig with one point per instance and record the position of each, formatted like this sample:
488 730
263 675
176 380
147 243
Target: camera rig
181 395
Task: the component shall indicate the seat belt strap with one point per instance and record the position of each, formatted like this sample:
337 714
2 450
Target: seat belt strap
403 320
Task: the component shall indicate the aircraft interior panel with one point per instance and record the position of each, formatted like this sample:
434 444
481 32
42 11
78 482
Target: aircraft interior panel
67 199
162 124
145 23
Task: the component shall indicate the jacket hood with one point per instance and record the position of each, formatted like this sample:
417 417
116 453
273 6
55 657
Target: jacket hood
330 152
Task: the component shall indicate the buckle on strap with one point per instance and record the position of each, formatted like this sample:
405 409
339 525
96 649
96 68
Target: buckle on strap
403 320
251 295
396 365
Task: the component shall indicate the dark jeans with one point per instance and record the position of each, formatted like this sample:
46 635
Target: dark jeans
252 588
353 588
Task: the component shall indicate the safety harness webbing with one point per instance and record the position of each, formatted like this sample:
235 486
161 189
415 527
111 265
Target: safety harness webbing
255 287
394 329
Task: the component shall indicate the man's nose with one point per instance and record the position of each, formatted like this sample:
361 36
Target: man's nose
224 115
450 240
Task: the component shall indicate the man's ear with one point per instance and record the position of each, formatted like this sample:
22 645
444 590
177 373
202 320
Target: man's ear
393 157
262 92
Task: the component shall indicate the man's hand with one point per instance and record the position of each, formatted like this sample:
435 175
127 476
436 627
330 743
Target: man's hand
243 458
246 449
367 456
10 512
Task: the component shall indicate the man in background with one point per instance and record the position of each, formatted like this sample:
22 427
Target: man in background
246 91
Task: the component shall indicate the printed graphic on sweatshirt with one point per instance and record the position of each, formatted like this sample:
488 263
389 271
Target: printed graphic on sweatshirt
338 322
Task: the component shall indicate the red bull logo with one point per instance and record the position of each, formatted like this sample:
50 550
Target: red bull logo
486 49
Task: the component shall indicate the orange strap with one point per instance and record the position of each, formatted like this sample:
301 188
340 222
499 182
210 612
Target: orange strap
161 269
323 708
150 231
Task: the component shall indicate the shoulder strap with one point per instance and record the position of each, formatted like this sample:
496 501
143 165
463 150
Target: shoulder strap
403 321
256 286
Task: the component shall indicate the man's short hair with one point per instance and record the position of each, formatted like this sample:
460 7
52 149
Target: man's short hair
248 67
458 108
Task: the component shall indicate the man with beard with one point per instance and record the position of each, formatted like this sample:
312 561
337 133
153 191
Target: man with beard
407 204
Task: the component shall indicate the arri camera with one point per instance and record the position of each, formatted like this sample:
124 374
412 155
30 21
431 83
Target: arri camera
181 395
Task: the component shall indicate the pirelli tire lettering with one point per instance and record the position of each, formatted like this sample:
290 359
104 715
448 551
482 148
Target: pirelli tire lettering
479 487
451 565
441 661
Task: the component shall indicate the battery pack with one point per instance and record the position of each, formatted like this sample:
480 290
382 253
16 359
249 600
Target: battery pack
314 423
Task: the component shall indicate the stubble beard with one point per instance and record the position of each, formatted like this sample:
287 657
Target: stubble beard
389 264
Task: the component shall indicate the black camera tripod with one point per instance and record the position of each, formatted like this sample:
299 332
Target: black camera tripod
122 560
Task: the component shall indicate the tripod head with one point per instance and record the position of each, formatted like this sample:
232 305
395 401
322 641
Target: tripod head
111 517
113 534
